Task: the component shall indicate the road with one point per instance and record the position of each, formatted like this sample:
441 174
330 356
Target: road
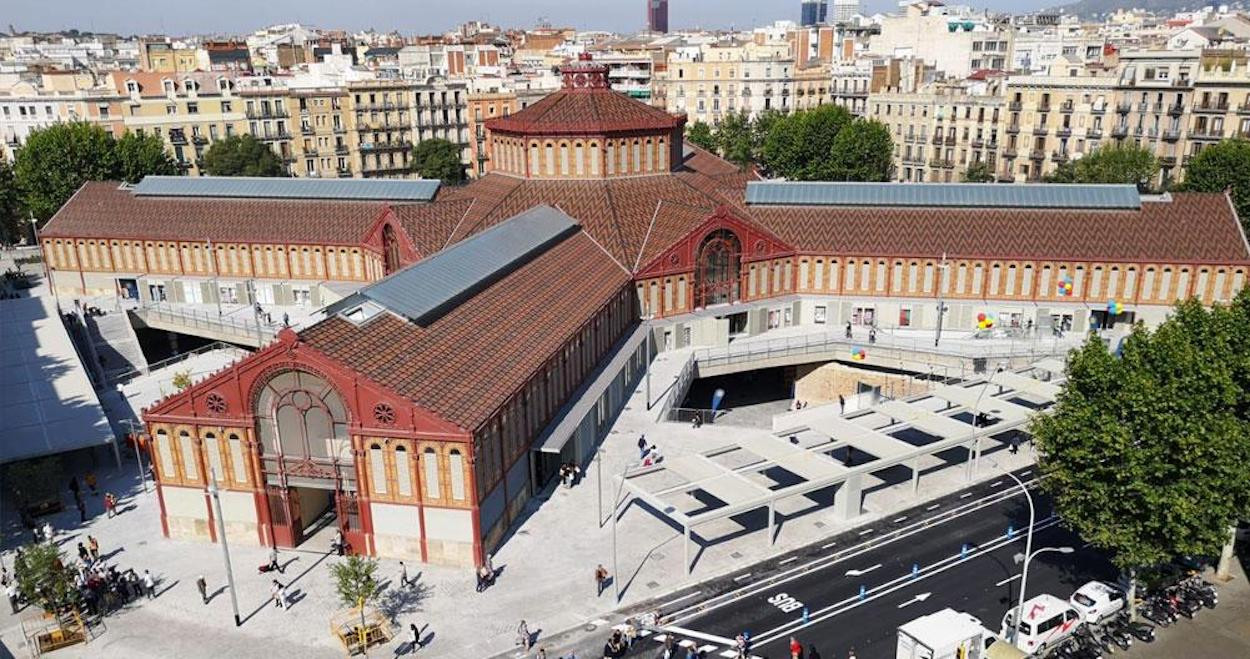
858 603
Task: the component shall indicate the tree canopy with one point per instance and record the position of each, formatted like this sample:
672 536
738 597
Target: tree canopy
242 155
798 146
57 160
143 155
438 159
1223 166
699 134
862 151
12 226
735 140
1148 454
978 172
43 578
1110 163
354 580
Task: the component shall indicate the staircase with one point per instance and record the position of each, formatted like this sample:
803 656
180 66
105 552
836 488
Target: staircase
116 344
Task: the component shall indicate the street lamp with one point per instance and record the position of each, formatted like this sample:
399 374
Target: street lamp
225 548
974 460
647 357
941 306
143 475
1024 574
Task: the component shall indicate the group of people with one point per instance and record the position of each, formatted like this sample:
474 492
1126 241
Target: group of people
569 473
281 594
872 332
105 588
485 575
649 453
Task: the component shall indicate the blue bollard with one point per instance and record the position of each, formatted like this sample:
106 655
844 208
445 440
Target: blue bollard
915 570
805 615
863 591
1011 531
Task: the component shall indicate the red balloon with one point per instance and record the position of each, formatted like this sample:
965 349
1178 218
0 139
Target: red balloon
980 316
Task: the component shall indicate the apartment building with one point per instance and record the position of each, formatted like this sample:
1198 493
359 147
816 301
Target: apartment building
1053 119
27 105
441 111
1154 97
630 73
940 132
325 146
850 84
730 77
382 110
955 39
267 110
811 86
1221 99
189 111
492 101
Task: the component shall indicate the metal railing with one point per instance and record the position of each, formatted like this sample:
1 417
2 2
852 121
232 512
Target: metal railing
680 386
246 329
130 374
1018 346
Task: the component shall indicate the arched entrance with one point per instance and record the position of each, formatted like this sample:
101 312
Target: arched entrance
390 249
306 454
717 268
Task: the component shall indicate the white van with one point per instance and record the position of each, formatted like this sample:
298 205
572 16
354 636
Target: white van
1045 621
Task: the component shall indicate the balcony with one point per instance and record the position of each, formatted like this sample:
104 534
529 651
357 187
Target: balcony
1211 107
1176 109
385 106
1093 134
1009 152
384 170
1044 107
1063 131
311 153
939 162
1244 108
1124 107
1206 134
1013 128
1171 135
177 137
1040 130
399 145
978 143
1119 131
1067 107
1098 109
1037 154
306 130
950 140
344 173
276 135
199 139
267 113
1167 161
937 139
1143 107
1015 106
342 150
1059 156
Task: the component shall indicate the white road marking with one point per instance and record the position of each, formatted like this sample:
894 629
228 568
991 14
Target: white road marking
660 638
683 597
996 483
686 643
901 519
891 586
918 598
707 649
965 495
1008 580
934 506
742 576
860 573
598 621
866 531
1026 473
828 545
729 653
792 558
710 638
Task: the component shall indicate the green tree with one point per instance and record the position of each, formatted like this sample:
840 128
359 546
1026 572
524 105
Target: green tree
862 151
978 172
799 145
242 155
735 140
438 159
1110 163
356 585
699 134
43 578
12 227
1223 166
1144 454
181 380
760 128
57 160
143 155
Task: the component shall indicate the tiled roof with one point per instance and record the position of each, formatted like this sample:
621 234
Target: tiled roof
430 225
1191 227
466 364
105 210
584 112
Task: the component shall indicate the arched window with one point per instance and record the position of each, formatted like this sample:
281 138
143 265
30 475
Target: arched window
166 454
717 269
390 249
456 466
403 472
212 448
237 460
301 417
430 473
377 469
189 462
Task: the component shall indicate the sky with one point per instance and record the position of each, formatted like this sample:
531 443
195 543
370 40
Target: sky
408 16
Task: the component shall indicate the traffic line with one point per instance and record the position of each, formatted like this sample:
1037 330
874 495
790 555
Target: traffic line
901 519
1008 580
965 495
710 638
683 597
788 560
866 531
860 573
996 483
891 586
740 577
934 506
828 545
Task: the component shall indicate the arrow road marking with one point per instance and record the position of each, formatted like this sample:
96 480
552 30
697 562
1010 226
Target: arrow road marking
918 598
860 573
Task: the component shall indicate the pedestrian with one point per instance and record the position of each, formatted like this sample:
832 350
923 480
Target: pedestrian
93 546
275 591
202 585
655 454
796 648
286 319
523 635
811 652
851 654
83 555
91 482
1015 444
273 560
642 446
110 504
872 335
542 653
149 584
11 591
740 642
49 534
483 578
601 579
841 404
338 542
284 591
848 329
403 575
73 485
697 420
416 636
82 511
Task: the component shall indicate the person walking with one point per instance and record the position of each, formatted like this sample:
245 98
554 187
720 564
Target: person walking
642 446
149 584
523 635
284 592
93 546
796 648
403 575
11 591
73 485
1015 444
841 404
49 534
274 566
851 654
338 542
848 329
601 579
275 591
416 636
110 504
83 554
201 584
82 511
89 479
811 651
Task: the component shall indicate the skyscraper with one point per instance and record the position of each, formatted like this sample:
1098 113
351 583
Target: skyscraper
657 15
844 10
814 12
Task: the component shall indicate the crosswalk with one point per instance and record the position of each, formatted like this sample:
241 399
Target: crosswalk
708 645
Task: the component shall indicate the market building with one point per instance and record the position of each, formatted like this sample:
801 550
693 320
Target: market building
490 331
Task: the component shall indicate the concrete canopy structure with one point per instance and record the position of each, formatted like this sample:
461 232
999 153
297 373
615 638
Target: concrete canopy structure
829 451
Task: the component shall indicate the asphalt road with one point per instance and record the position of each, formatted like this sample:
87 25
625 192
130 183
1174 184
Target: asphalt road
966 564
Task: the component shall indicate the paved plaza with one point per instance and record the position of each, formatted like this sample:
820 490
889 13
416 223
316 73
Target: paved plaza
546 566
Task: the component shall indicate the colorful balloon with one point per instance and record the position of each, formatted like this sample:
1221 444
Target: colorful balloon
980 318
858 354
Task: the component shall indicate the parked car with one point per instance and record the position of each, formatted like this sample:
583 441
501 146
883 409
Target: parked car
1045 621
1097 601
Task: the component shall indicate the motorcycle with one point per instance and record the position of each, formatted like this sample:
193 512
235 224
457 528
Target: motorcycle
1139 630
1095 639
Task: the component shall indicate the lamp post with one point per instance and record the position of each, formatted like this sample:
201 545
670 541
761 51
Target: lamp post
941 306
143 475
216 283
616 578
974 460
1024 575
225 548
646 320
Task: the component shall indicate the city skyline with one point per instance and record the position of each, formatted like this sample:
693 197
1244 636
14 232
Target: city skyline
237 17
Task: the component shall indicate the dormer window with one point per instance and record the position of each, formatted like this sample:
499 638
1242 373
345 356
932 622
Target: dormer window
168 86
189 85
223 85
132 87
